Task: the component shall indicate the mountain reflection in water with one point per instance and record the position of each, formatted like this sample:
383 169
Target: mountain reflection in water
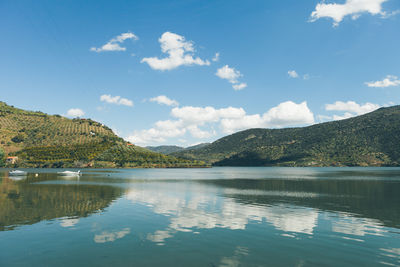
24 202
290 206
375 199
214 217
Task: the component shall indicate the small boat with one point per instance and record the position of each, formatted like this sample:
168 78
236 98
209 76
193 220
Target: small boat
70 173
17 178
17 173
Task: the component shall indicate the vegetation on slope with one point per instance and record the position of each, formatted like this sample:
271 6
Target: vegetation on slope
20 128
134 156
41 140
369 140
2 157
165 149
172 149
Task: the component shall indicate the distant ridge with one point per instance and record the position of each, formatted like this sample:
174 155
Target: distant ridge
171 149
42 140
372 139
165 149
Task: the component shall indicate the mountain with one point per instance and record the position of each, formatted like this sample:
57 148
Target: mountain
372 139
165 149
197 146
171 149
42 140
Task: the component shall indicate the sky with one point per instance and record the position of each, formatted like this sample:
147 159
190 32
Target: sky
187 72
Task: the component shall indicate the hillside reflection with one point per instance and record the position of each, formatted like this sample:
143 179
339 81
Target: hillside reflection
374 199
193 213
295 207
23 202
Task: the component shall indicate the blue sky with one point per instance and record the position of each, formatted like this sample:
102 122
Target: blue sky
148 69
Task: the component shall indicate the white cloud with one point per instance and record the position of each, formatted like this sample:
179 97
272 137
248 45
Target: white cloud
352 107
200 122
229 74
116 100
232 76
390 14
239 86
180 53
285 114
196 132
114 43
289 113
323 118
353 8
162 99
216 57
346 115
159 133
390 80
75 112
293 74
229 126
200 115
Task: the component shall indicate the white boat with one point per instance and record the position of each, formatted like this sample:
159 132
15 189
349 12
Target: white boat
70 173
17 173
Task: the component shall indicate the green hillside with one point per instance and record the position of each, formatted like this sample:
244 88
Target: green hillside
165 149
372 139
42 140
20 128
171 149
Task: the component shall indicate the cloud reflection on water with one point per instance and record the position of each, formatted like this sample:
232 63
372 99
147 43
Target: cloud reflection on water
234 260
202 210
68 222
193 207
350 225
111 236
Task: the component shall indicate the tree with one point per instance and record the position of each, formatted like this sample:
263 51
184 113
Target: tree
2 158
18 138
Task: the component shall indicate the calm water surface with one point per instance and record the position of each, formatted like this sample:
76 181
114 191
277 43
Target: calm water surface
202 217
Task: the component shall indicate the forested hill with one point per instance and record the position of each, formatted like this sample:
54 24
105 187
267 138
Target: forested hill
372 139
165 149
171 149
42 140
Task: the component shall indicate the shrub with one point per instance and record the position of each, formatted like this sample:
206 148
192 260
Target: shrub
2 158
18 138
